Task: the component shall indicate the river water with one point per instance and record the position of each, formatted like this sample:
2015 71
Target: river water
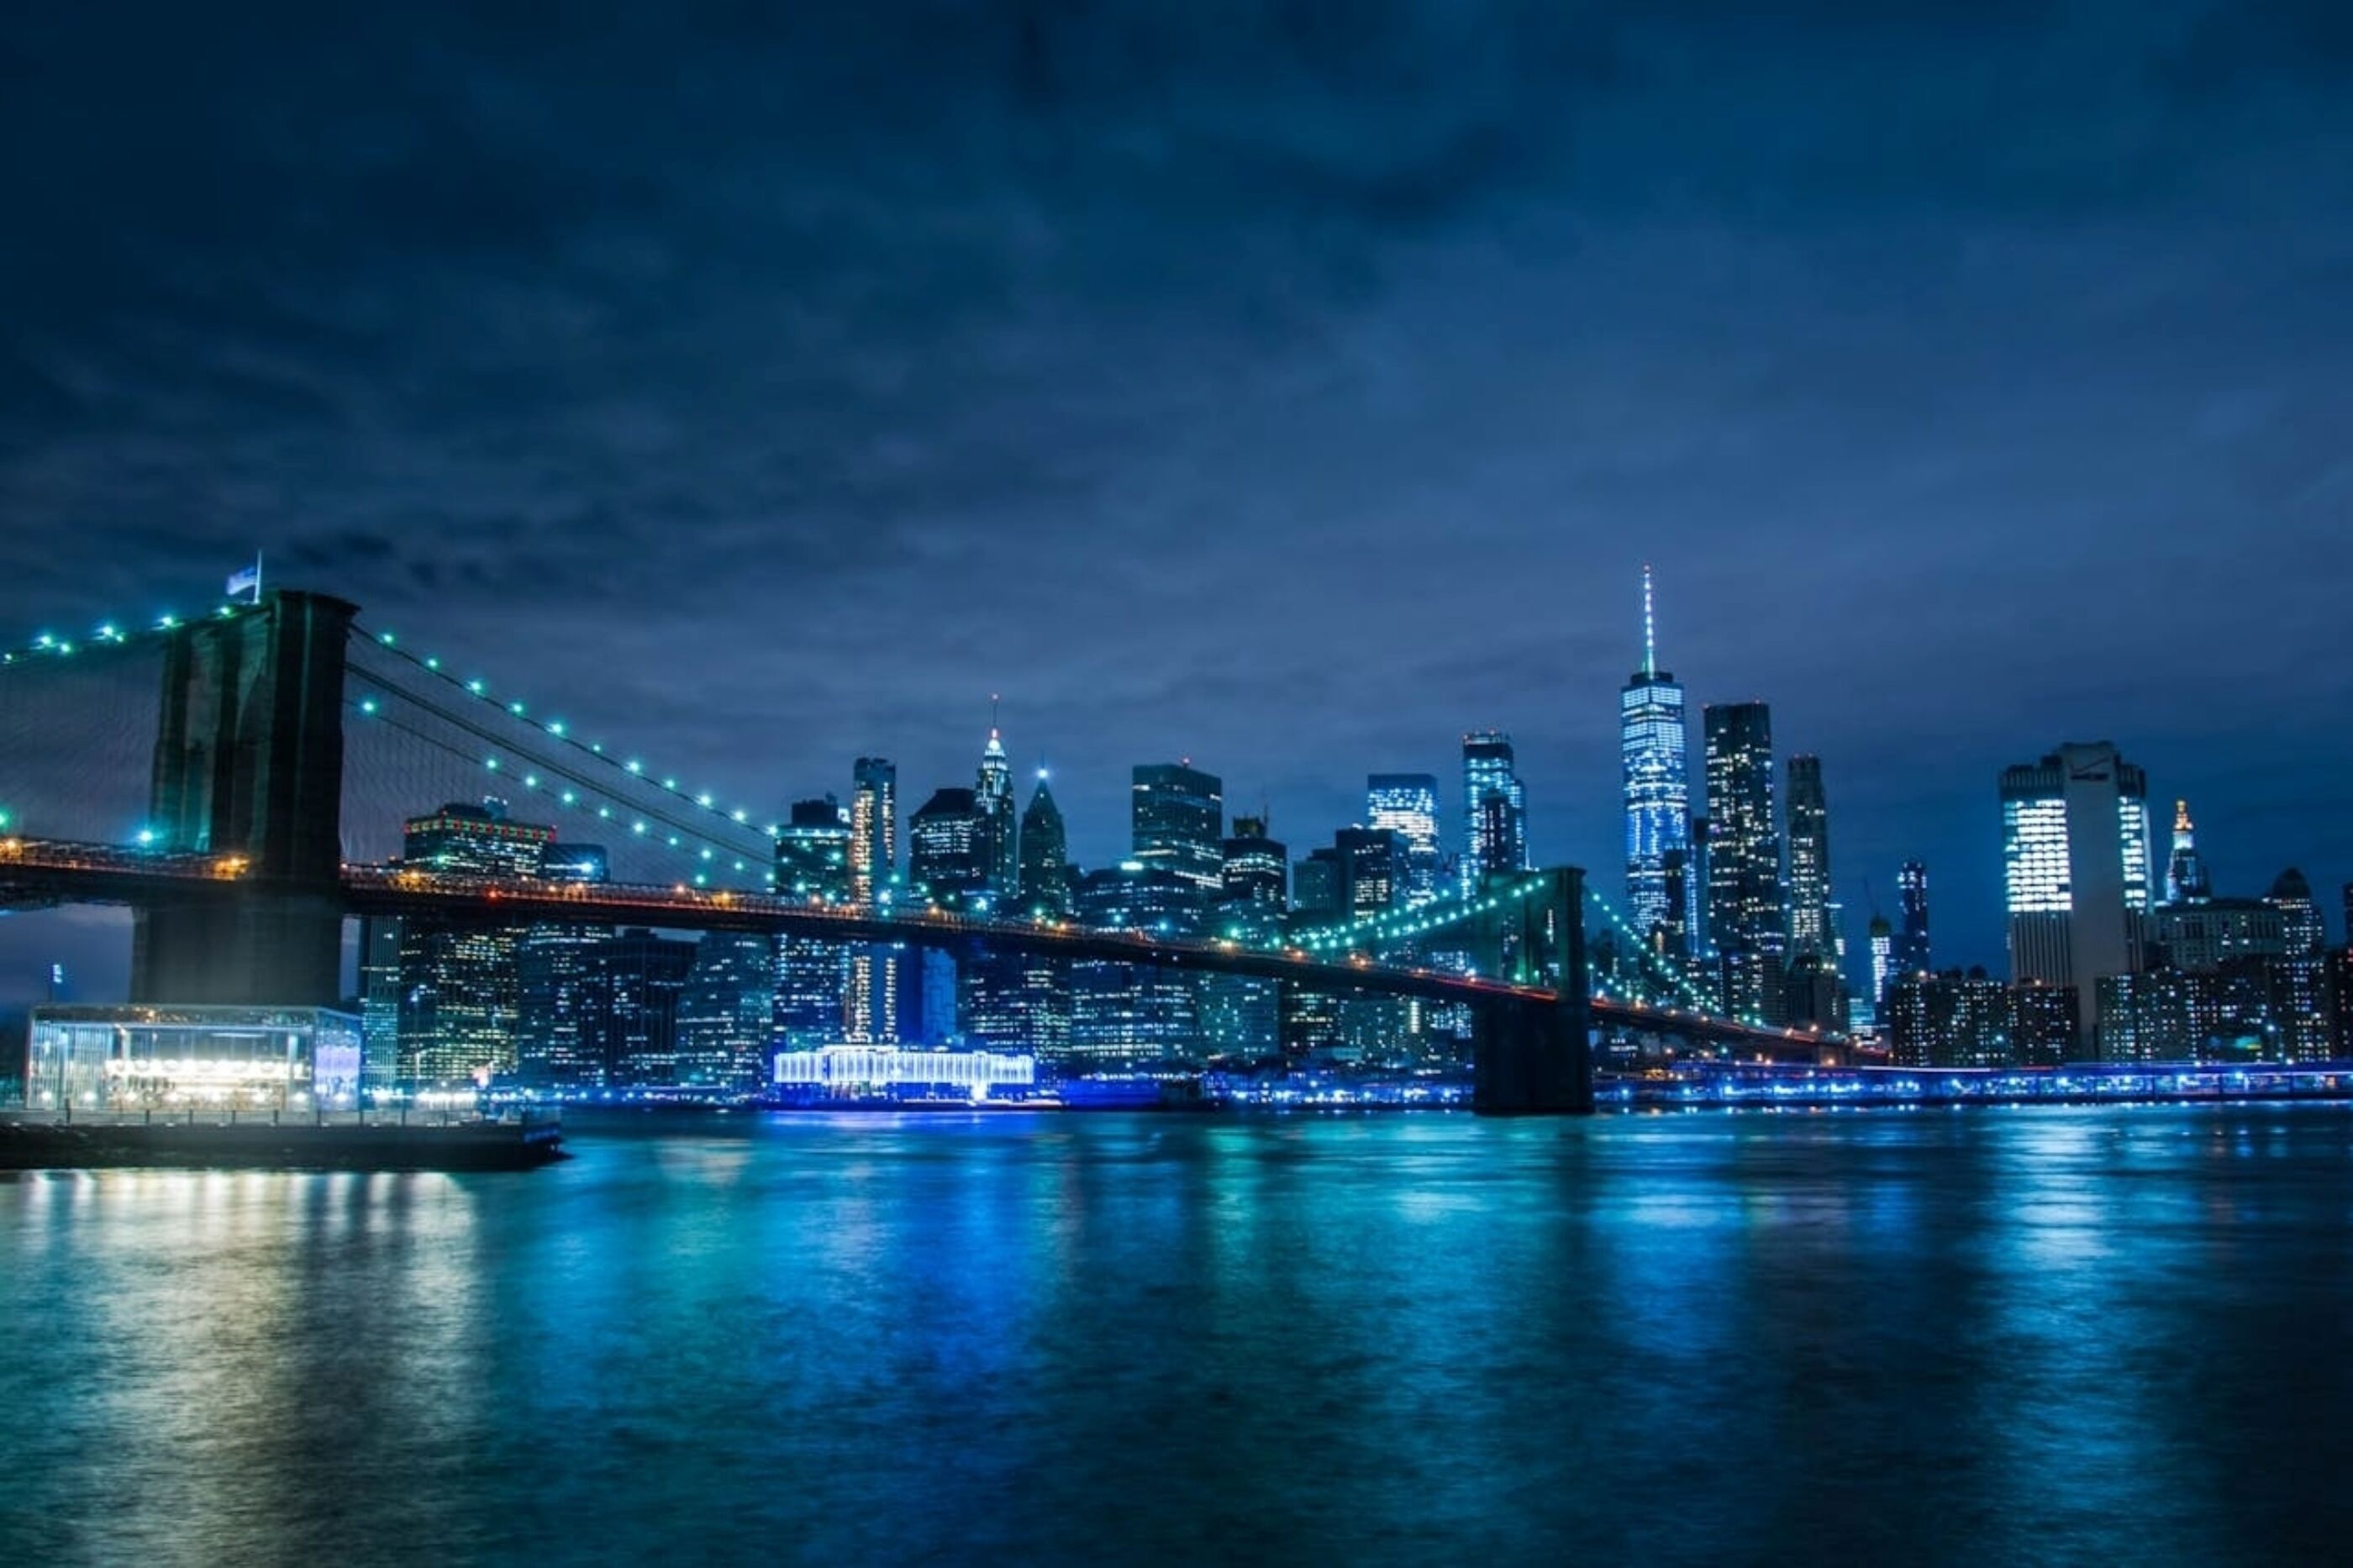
1963 1336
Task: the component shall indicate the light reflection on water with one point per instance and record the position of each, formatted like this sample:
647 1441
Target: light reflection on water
1985 1336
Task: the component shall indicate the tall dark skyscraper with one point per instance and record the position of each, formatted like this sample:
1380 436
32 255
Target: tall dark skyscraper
1910 954
635 981
950 849
725 1012
1494 808
1371 861
1178 814
552 1042
1813 931
1045 875
1407 805
1745 915
1652 744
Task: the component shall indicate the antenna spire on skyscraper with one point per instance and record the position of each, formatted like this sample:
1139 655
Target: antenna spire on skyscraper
1649 630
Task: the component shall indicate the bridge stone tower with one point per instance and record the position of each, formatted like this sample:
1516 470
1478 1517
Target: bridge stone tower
249 764
1536 1060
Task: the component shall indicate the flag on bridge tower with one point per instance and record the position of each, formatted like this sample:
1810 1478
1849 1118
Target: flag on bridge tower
247 579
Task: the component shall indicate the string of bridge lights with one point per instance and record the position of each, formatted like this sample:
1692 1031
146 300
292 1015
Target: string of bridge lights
111 633
559 732
522 774
1398 924
701 854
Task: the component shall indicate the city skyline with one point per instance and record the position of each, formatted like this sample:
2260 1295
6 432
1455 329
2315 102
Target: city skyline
1852 890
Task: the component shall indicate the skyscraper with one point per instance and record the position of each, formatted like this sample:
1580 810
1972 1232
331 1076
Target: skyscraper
1131 1012
812 976
635 981
1370 861
1494 809
458 985
1241 1016
1912 935
993 795
726 1014
1745 915
1652 746
2076 861
1045 876
871 1015
552 977
1407 805
2185 881
1813 932
874 829
1882 962
1178 815
950 850
2297 981
1256 870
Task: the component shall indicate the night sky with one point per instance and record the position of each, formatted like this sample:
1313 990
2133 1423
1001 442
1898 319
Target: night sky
1288 387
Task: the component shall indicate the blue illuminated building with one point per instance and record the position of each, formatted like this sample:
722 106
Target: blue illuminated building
1653 745
1494 809
1407 805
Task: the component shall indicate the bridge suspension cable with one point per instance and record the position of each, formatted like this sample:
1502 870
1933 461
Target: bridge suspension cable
503 748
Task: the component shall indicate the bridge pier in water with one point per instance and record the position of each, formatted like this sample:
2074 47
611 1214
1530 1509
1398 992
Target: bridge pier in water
1531 1059
249 764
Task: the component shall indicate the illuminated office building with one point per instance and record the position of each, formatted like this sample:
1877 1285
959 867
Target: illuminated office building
635 981
552 971
1371 869
1178 816
2185 881
1652 746
2076 861
1256 872
871 1014
1883 960
1814 932
812 976
726 1014
873 829
950 854
1912 956
1407 805
1746 918
1494 809
999 837
2297 981
1128 1012
459 984
1950 1020
1242 1015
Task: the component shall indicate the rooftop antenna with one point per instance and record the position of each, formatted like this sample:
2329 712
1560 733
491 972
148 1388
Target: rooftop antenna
1649 630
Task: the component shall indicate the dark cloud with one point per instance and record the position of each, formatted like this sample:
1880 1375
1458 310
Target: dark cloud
1289 386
